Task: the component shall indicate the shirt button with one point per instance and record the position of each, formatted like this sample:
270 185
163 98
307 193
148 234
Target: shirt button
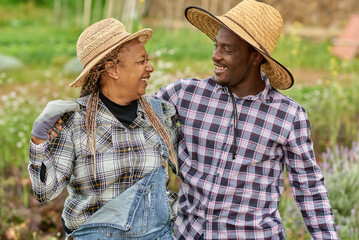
129 149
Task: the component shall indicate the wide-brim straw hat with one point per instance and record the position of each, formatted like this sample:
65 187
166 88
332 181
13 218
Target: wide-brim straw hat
258 24
99 39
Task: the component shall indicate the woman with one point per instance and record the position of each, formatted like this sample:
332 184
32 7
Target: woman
114 145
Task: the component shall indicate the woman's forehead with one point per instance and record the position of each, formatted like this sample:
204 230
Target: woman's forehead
133 48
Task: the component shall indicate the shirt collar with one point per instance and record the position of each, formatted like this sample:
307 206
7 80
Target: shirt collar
140 121
263 96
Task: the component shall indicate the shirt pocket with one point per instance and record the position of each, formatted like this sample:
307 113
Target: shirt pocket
151 137
103 140
95 173
256 149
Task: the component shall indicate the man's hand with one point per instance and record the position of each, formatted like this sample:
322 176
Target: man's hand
49 120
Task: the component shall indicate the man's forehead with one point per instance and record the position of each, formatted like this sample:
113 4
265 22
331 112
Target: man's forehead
228 37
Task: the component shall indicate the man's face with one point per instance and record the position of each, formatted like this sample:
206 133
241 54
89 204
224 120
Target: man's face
231 58
134 69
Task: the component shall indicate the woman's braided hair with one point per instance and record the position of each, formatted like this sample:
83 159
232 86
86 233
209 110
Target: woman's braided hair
160 128
92 87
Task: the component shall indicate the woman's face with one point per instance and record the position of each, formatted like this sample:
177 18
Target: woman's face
132 71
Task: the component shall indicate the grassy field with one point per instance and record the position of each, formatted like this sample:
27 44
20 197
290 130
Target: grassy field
326 86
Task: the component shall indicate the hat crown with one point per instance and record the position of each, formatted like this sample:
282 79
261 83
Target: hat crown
261 21
99 37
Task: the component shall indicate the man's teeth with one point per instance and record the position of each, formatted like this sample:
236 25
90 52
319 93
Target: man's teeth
145 80
220 68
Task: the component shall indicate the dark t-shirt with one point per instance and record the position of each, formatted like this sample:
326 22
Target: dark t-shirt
125 114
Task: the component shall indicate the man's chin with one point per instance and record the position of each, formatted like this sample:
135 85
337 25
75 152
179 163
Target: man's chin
220 81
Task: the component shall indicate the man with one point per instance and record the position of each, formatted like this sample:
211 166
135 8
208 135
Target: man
239 132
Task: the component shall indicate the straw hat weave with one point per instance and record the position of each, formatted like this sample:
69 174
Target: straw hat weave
99 39
258 24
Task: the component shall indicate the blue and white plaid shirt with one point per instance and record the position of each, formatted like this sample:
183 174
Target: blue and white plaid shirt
237 198
123 156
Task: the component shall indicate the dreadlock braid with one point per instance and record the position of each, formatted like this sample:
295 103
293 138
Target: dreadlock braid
160 128
92 86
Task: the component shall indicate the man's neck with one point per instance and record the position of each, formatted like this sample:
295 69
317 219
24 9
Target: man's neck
251 86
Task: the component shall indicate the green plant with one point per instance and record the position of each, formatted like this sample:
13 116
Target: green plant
341 168
332 109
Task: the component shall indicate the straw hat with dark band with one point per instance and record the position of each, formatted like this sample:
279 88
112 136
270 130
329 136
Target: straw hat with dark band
257 23
99 39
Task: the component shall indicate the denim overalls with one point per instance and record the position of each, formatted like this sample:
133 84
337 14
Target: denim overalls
140 212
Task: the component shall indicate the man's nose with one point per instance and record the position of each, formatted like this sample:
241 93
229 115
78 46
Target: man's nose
216 55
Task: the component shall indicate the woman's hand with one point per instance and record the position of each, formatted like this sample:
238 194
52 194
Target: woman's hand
49 122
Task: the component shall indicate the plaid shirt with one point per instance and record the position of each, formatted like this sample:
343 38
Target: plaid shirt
237 198
123 156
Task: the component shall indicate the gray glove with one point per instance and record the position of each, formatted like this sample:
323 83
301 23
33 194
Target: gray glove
49 116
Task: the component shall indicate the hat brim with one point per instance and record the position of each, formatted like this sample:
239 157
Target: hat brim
280 77
143 36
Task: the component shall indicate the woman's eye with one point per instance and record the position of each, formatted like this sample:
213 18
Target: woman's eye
144 61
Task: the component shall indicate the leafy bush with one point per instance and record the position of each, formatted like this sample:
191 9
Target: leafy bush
333 110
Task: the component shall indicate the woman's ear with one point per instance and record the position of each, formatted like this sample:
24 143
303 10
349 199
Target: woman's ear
112 70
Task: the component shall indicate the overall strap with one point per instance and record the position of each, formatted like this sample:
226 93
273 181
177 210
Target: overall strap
156 104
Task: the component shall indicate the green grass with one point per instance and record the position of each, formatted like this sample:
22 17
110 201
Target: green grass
37 47
297 52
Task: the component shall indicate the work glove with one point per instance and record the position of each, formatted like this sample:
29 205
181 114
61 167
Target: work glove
49 116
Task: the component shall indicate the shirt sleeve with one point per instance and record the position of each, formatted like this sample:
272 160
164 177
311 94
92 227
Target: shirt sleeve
172 92
307 180
50 166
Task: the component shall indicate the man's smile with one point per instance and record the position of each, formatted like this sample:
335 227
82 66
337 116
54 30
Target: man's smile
219 69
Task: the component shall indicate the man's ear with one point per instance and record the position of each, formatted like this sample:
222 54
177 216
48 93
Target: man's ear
112 70
257 58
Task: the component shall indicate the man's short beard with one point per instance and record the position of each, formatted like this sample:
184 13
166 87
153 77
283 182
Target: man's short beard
223 84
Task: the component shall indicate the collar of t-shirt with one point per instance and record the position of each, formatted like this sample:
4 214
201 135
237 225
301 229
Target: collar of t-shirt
125 114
